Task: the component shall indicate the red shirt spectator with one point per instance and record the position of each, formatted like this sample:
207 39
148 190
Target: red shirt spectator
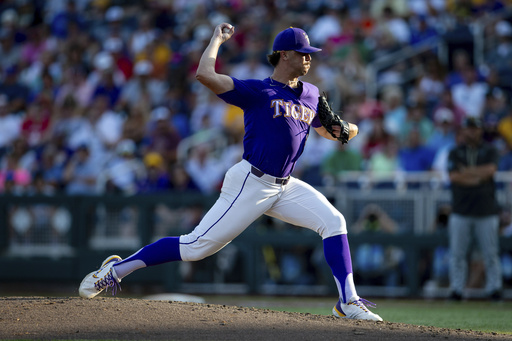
35 124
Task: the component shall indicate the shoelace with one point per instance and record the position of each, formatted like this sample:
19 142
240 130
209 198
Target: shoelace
368 303
362 303
108 282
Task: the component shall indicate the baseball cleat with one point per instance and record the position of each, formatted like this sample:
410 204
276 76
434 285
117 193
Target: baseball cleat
105 277
355 309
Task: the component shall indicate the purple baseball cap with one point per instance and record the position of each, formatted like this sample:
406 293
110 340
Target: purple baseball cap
293 39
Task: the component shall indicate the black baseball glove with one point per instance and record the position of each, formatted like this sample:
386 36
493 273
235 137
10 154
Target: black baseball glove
329 118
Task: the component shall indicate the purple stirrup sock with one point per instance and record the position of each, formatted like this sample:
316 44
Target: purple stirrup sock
337 255
162 251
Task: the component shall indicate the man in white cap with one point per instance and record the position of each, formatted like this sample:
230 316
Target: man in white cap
143 86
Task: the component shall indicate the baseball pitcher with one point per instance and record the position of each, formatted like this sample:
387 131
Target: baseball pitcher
278 114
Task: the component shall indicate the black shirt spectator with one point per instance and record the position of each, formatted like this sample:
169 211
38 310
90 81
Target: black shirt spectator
475 195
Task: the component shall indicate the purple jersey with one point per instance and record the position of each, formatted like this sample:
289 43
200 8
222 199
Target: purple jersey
277 120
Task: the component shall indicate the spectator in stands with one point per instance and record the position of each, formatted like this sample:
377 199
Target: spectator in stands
500 58
308 168
395 111
180 120
135 126
180 106
487 7
104 63
414 155
81 173
251 68
39 186
112 24
498 82
377 138
10 125
418 120
431 84
444 130
396 25
181 180
143 87
157 178
377 264
36 124
44 87
51 167
505 128
328 24
143 35
470 94
23 156
384 164
75 85
38 41
10 20
14 179
107 87
162 136
505 163
62 21
124 171
474 209
353 77
16 92
446 102
9 50
421 29
107 123
205 169
385 43
208 113
69 121
461 61
340 161
159 53
116 47
496 107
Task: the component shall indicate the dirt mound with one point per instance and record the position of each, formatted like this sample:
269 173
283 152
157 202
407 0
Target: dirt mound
136 319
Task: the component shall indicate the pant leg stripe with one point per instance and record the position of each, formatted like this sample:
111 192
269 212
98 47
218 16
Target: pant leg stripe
222 216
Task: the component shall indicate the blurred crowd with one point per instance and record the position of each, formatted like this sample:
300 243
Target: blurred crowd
100 96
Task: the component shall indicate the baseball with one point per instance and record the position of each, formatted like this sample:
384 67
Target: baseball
225 30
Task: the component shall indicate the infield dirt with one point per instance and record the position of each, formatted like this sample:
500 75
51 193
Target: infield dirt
106 318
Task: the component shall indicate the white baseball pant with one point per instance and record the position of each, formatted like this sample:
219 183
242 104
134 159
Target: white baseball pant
245 197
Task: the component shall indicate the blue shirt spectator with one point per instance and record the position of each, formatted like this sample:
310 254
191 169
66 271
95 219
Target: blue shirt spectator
81 173
62 21
414 156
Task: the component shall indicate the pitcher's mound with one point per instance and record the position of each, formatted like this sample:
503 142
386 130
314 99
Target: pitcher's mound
106 318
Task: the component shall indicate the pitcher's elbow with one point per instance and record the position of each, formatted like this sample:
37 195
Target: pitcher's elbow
203 78
199 76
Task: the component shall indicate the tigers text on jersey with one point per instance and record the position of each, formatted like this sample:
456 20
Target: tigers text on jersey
274 137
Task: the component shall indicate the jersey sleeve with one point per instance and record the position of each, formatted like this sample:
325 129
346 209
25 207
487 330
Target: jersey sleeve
316 122
243 95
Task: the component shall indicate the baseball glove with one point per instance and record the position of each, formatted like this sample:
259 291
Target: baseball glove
329 118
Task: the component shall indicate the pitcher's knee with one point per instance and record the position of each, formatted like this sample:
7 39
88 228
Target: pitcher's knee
199 250
333 226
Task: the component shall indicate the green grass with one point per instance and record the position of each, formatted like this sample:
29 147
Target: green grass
476 315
